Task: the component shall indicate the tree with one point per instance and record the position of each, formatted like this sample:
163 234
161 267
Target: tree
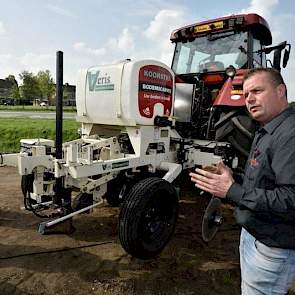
14 90
30 89
46 85
11 79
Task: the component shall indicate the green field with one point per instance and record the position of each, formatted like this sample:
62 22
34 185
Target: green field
12 130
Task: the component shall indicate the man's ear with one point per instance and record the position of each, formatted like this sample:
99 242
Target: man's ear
281 90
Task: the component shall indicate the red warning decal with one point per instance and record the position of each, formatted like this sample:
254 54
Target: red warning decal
155 86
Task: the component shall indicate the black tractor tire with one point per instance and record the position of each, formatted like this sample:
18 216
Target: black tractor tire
148 217
237 128
116 191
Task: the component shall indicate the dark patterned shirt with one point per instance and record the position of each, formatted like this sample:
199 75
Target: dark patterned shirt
265 201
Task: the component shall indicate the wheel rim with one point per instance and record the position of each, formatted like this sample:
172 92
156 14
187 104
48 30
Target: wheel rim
158 218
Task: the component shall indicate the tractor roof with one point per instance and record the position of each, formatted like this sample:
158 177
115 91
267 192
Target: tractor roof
238 22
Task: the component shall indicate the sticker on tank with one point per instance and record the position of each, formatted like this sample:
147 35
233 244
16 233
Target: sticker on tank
155 86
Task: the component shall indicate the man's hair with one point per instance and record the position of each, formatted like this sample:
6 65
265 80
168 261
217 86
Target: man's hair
274 75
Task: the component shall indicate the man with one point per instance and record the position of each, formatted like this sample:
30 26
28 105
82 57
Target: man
265 201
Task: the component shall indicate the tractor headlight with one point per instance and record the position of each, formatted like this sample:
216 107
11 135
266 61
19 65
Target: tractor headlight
230 71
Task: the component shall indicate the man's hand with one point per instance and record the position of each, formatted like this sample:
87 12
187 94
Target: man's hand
217 183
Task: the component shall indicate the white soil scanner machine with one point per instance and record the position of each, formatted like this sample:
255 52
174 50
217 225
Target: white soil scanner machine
142 125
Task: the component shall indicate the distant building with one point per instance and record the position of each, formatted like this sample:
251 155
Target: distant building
69 95
5 90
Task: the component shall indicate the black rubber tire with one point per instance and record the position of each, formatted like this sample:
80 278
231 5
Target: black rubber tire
148 217
114 194
81 201
238 129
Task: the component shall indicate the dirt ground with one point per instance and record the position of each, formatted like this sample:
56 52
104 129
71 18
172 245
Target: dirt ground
92 261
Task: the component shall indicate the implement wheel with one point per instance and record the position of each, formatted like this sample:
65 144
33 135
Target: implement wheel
116 191
148 217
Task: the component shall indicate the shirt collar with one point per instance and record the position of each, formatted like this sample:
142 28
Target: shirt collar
275 122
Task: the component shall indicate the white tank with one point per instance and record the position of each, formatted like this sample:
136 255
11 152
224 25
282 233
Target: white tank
128 93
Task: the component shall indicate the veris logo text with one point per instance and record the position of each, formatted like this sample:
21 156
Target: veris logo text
99 81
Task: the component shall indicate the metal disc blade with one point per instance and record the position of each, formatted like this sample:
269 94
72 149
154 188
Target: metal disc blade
209 227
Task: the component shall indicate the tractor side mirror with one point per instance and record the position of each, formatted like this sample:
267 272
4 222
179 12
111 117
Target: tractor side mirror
286 57
277 59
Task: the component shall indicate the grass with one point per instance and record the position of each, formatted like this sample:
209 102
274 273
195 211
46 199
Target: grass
19 108
228 279
12 130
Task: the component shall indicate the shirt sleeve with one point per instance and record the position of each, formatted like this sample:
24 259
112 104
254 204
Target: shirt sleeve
280 201
235 193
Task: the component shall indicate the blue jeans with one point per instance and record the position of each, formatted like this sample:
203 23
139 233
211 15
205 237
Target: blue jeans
265 270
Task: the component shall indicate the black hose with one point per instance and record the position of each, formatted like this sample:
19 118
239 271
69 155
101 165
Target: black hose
56 250
28 200
212 113
27 184
27 188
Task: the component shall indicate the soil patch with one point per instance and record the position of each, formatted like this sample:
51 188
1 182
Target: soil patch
92 261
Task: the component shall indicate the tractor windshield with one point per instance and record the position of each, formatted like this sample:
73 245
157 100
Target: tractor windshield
211 53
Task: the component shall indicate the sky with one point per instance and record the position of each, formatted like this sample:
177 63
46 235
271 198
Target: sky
96 32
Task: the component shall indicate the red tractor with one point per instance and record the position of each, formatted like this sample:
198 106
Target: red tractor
209 61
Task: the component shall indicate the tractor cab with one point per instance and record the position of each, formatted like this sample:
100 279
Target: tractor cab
211 54
212 46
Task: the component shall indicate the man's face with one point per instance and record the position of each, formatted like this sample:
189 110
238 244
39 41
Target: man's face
264 101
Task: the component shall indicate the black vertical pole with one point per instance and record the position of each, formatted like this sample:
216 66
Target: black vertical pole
58 124
59 104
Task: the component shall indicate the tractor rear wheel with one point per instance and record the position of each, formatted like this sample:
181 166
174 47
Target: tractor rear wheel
148 217
237 128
